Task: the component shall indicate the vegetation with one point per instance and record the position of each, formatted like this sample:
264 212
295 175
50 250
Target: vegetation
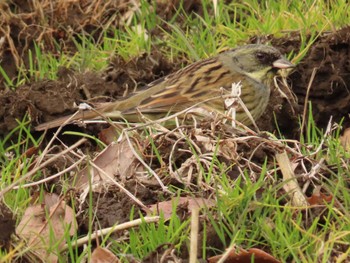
251 209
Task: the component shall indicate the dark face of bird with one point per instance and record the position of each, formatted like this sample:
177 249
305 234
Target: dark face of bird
259 61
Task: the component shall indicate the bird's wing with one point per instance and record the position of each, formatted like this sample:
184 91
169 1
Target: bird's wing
195 83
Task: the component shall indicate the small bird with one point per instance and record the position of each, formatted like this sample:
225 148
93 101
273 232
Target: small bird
205 82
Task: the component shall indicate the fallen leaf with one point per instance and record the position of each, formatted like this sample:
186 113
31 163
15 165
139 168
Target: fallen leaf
116 159
345 139
167 207
246 256
109 135
43 225
319 198
103 255
30 152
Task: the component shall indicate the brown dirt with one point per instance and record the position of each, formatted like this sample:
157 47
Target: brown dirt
48 99
7 224
114 206
329 92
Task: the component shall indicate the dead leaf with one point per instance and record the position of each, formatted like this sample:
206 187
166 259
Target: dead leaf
44 224
318 198
228 149
205 142
30 152
103 255
167 207
116 159
345 139
109 135
246 256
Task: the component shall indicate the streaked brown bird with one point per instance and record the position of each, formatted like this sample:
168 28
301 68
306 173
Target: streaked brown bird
204 83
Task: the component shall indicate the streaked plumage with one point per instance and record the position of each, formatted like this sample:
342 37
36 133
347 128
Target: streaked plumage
252 65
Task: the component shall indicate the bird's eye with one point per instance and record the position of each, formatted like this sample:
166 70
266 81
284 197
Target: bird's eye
261 56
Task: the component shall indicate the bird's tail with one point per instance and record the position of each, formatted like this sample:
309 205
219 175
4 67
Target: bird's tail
103 111
79 115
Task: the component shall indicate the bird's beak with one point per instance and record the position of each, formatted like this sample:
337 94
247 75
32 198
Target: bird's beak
283 63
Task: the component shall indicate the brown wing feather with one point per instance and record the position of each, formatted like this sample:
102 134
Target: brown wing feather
187 87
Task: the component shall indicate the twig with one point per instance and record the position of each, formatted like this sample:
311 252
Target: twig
120 186
164 188
291 185
41 157
313 74
194 235
36 169
47 179
109 230
227 253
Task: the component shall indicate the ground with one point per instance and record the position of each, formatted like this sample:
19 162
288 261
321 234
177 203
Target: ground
44 100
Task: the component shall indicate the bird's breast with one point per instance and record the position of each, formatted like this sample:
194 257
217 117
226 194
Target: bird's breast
254 95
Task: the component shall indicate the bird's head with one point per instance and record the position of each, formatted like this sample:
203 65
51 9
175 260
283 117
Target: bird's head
257 61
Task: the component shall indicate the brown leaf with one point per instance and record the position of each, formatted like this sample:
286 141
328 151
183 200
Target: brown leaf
44 224
245 256
103 255
318 198
30 152
116 159
108 135
345 139
167 207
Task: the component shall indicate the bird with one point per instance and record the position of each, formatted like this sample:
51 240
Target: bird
204 83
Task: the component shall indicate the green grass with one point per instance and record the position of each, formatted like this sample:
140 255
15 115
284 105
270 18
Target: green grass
244 215
197 37
15 163
248 213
